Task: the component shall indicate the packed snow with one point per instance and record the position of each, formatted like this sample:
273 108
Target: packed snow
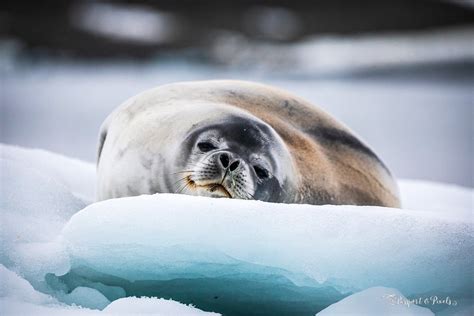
178 254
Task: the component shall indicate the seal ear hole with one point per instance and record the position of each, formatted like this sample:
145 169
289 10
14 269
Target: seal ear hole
206 146
261 172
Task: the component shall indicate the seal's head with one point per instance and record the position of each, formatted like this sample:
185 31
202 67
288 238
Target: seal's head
235 157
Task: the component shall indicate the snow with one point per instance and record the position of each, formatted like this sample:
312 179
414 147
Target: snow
75 175
376 301
61 253
34 209
145 306
18 288
437 197
47 200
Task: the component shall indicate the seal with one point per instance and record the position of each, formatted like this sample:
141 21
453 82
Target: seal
237 139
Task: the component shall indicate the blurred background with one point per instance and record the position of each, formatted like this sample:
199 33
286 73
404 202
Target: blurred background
400 73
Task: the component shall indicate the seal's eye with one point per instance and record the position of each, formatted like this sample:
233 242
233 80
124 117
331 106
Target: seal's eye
261 172
206 146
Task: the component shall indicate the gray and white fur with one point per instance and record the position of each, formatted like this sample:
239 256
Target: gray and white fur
240 140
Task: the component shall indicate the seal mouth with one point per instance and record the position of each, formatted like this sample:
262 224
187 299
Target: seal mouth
211 187
218 187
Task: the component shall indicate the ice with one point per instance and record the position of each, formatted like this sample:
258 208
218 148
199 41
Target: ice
75 175
220 255
39 193
12 307
376 301
16 287
34 208
152 306
86 297
18 297
170 237
36 201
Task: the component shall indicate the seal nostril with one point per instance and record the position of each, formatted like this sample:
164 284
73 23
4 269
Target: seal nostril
234 165
224 158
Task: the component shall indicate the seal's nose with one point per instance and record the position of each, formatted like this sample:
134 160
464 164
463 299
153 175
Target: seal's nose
224 159
234 165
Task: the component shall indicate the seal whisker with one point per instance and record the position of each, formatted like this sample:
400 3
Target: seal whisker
182 179
179 184
184 171
184 187
250 195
